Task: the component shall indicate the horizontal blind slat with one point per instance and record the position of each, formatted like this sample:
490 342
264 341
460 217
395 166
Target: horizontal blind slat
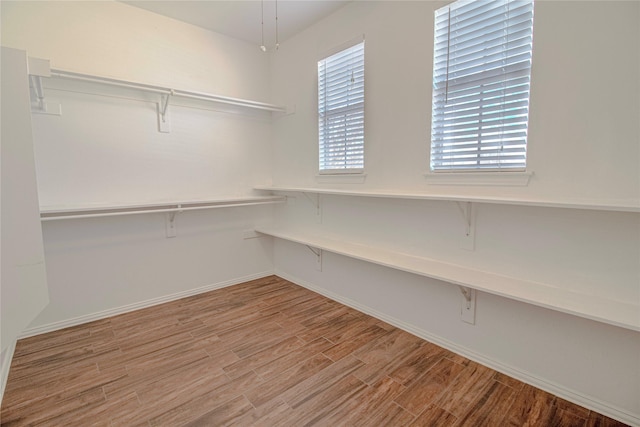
519 84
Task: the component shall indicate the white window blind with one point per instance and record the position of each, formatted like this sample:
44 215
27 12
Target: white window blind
341 111
481 75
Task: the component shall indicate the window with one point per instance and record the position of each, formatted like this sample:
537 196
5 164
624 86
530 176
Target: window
481 75
341 111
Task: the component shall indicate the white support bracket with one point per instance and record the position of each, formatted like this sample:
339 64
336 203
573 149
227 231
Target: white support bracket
36 84
317 202
466 293
170 222
468 213
164 124
468 305
39 106
39 68
318 253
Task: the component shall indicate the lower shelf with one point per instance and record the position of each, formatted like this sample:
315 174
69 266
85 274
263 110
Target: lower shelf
622 314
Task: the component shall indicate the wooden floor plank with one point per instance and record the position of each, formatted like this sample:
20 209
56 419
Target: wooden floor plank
48 408
97 413
389 414
426 389
367 403
157 367
280 348
284 382
385 355
434 416
532 407
201 405
345 348
490 408
319 382
417 362
281 364
465 389
266 415
193 379
262 353
224 414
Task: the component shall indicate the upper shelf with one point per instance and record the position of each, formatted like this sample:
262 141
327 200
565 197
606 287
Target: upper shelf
168 91
41 69
622 206
57 213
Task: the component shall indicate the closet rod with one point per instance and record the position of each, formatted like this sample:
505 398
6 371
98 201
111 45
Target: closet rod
167 91
172 207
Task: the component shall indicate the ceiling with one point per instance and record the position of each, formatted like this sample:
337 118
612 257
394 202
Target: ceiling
242 19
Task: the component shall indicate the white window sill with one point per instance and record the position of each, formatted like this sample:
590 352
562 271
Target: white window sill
513 179
342 178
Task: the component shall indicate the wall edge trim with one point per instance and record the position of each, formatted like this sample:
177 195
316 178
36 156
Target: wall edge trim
50 327
573 396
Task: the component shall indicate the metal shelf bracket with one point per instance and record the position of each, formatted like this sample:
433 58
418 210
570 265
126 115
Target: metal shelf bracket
468 306
36 84
466 292
315 200
318 253
164 124
39 106
468 213
170 221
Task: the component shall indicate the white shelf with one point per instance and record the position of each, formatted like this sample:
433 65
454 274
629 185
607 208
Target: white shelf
615 206
51 213
622 314
168 91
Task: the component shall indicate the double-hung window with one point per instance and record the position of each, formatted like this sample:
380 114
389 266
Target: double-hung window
341 111
481 75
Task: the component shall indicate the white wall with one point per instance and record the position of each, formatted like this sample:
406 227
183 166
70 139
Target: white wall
583 132
105 149
584 144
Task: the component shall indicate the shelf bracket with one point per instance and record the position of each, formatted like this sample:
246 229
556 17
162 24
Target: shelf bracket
466 292
466 212
468 216
164 124
316 202
468 305
318 253
170 222
39 106
36 84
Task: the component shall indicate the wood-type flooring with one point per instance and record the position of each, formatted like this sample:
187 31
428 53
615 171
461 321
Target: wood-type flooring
262 353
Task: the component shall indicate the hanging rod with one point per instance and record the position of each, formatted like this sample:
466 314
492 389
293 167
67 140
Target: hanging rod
57 214
168 91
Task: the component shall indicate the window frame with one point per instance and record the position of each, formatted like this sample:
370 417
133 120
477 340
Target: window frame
438 163
344 171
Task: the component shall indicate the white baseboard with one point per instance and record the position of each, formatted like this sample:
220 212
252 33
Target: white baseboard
137 306
4 368
526 377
